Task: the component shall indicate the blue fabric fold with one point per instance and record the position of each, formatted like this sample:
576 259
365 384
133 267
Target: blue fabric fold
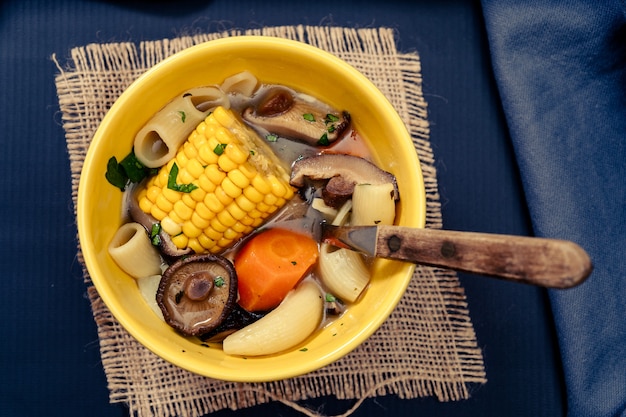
560 67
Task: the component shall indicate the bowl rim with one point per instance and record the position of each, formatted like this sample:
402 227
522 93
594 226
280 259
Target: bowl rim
116 309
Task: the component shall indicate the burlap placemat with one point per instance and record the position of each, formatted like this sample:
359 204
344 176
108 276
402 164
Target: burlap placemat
428 345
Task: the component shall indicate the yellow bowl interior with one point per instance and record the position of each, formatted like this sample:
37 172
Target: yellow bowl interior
272 60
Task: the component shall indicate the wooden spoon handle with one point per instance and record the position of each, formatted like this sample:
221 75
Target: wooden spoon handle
545 262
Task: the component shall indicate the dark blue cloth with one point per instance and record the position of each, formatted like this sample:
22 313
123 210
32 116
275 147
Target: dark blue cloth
561 70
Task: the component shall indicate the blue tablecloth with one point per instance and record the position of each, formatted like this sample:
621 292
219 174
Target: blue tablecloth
49 352
561 70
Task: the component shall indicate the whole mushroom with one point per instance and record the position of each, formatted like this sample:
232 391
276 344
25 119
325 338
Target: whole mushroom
197 293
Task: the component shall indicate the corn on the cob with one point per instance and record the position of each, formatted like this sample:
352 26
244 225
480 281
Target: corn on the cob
240 183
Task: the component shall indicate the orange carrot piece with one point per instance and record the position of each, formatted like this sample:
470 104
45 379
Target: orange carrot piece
270 265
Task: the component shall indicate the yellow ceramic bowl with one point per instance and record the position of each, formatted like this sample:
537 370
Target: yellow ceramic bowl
272 60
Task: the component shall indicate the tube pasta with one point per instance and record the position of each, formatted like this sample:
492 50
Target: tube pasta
158 141
289 324
373 204
243 83
132 251
148 288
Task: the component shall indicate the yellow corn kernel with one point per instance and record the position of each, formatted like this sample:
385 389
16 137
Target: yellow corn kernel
248 170
163 203
170 227
218 226
206 184
207 154
230 188
225 163
223 117
184 177
182 210
198 195
214 174
270 199
206 242
213 203
203 211
152 193
189 201
194 167
223 135
244 203
226 219
157 213
199 221
145 205
239 227
238 154
180 240
195 245
234 210
239 181
238 178
221 195
190 230
230 234
171 195
253 194
261 185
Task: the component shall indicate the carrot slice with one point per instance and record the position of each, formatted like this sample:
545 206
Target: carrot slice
270 265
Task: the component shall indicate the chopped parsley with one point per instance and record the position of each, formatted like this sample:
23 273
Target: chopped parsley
154 234
128 170
271 137
183 116
324 140
172 185
331 118
308 117
294 263
219 148
330 298
304 349
219 281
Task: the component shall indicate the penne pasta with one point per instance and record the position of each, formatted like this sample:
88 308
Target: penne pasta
343 272
132 250
373 204
244 83
158 141
289 324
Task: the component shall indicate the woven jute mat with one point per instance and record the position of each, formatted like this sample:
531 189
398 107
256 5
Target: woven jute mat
427 347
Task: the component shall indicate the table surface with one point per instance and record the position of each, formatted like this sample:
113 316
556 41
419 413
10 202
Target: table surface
49 354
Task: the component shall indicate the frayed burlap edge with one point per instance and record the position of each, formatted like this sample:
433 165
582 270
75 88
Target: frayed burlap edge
427 347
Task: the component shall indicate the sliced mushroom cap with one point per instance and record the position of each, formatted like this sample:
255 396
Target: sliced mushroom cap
343 172
197 293
164 241
282 112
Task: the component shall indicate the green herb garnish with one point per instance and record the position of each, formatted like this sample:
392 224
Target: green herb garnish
219 281
308 117
129 169
183 116
324 140
171 182
330 118
154 234
271 138
304 349
330 298
219 148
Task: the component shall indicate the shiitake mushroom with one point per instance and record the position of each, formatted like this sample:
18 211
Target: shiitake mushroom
197 293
